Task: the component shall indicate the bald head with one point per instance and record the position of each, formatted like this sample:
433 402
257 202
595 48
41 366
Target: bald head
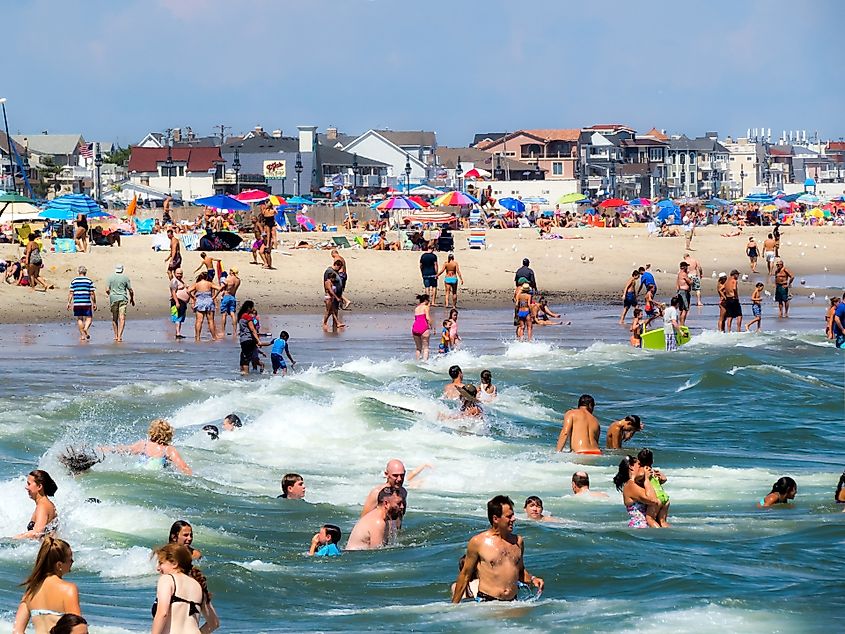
395 473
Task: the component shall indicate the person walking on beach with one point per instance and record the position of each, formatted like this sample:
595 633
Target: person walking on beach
81 235
753 253
525 325
695 273
229 303
451 272
331 284
783 280
174 259
83 299
249 337
581 428
167 209
496 558
733 309
646 279
629 295
769 253
343 276
756 307
421 328
340 288
428 270
34 262
120 294
202 293
179 298
683 286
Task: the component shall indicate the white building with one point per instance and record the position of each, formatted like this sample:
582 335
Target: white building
396 150
190 176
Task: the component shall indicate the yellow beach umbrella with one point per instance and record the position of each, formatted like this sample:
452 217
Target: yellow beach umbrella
818 213
769 208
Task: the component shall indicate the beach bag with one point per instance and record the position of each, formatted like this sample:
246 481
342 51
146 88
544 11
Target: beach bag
35 258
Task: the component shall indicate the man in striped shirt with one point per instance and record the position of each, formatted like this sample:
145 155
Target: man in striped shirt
84 301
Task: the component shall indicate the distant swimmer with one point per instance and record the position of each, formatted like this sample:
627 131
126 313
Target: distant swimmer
496 556
374 528
156 452
622 431
581 486
839 496
293 487
182 533
325 542
488 391
782 492
232 422
451 389
534 510
581 428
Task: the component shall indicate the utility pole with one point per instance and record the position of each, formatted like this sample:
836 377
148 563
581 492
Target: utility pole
222 129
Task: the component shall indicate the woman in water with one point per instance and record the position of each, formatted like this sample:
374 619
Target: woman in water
421 329
182 533
452 272
47 596
70 624
331 284
488 391
202 293
44 521
839 496
634 481
181 595
525 325
782 492
156 451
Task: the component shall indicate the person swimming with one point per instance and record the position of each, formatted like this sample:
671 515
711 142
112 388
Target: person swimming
156 451
40 487
783 490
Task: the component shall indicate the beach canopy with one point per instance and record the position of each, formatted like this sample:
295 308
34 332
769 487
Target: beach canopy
299 200
574 197
431 216
252 196
222 202
759 198
512 204
422 202
667 213
720 202
69 206
807 199
277 201
612 202
666 203
536 200
425 190
398 202
455 199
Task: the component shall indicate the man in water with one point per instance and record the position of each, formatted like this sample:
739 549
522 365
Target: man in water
622 431
581 428
120 294
394 475
229 303
525 272
496 557
838 324
733 309
373 529
683 284
783 280
451 390
428 269
695 273
175 257
581 485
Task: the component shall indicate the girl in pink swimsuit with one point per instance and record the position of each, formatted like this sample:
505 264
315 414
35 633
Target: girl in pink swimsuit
421 329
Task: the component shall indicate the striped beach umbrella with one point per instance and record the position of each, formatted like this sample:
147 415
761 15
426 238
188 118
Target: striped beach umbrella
252 196
69 206
398 202
455 199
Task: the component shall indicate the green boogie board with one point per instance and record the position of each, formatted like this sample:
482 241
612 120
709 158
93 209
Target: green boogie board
656 340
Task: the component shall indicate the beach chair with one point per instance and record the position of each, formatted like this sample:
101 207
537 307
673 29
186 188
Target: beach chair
341 242
291 222
144 227
477 239
476 218
360 242
190 241
405 241
23 233
64 245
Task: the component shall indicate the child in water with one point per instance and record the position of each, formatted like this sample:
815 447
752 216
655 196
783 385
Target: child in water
756 307
656 515
445 337
280 347
637 329
325 542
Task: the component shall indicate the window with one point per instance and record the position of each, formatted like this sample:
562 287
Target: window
557 168
683 158
655 154
181 170
692 157
732 158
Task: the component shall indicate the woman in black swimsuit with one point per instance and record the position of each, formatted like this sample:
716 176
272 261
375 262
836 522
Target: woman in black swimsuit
81 237
181 595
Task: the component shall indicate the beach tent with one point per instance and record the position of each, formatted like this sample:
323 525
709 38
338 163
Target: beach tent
666 203
69 206
666 213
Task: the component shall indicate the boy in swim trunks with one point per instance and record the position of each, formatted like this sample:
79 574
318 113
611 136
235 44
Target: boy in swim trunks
756 307
445 337
280 347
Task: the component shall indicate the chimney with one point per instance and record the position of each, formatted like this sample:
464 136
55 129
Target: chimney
307 135
277 134
713 136
259 131
331 134
177 135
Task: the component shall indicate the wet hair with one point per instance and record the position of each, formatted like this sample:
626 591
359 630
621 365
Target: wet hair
784 485
580 479
422 298
486 377
180 556
839 486
333 533
494 506
635 421
212 431
202 276
175 529
288 480
585 400
533 499
451 257
645 457
66 623
624 474
45 480
234 419
160 432
247 307
53 552
455 371
284 335
387 492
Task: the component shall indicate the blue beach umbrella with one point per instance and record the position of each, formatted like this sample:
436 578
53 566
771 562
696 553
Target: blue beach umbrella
299 200
720 202
222 202
666 203
512 204
666 212
69 206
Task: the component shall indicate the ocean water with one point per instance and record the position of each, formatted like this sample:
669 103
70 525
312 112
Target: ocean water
726 416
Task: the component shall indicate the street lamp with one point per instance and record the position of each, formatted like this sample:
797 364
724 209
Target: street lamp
168 165
407 174
98 163
8 144
354 173
742 176
459 170
236 165
298 168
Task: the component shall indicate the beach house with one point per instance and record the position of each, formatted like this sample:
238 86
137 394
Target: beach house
185 172
553 151
406 153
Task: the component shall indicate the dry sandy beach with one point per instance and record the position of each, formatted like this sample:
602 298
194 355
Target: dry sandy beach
589 265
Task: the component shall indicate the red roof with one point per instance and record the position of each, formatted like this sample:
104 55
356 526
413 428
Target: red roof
836 145
198 159
616 127
556 134
779 151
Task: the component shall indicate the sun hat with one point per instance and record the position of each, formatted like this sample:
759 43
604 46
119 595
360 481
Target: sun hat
234 270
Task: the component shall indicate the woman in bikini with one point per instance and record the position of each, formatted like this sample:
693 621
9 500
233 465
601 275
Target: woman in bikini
47 596
634 482
421 328
156 451
182 533
45 520
452 275
525 325
181 595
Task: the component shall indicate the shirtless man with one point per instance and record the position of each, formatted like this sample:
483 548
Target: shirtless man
733 309
268 218
683 285
166 217
394 474
342 276
769 245
629 295
581 486
229 303
582 427
451 390
622 431
695 273
175 257
373 529
496 557
783 280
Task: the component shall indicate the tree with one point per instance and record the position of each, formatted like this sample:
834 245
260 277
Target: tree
119 156
47 172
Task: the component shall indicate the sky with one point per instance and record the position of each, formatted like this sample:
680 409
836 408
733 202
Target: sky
114 71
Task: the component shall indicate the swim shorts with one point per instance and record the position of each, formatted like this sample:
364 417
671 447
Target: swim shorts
683 297
278 362
732 307
671 343
430 281
82 311
840 341
630 299
228 304
781 294
695 283
756 309
248 350
118 308
175 262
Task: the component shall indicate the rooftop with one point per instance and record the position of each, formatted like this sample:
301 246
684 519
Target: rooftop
52 144
198 159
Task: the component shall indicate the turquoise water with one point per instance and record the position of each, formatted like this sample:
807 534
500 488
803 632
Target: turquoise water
726 416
